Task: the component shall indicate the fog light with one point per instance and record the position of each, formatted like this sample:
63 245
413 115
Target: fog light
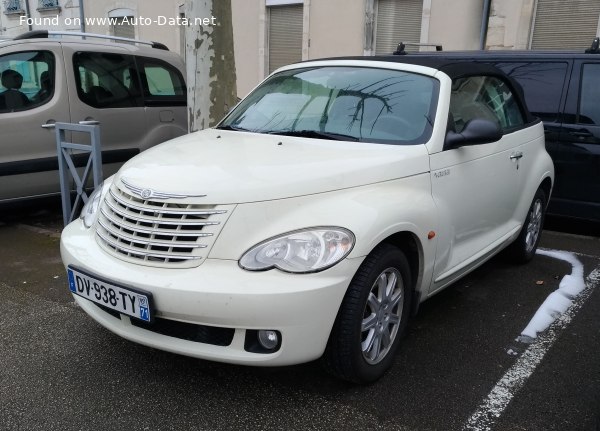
268 339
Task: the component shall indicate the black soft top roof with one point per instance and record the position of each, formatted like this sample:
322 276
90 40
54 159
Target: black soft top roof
454 68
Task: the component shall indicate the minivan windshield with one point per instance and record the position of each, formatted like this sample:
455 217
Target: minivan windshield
341 103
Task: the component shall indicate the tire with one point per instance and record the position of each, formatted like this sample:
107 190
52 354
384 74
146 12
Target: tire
523 248
372 318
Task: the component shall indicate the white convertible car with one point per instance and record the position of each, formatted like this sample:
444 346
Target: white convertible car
312 221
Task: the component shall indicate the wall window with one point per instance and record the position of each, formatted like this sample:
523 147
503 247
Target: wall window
107 80
285 35
26 80
397 21
560 24
589 108
122 21
484 97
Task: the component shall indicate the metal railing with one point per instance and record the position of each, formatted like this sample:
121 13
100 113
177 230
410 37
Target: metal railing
68 171
13 6
48 4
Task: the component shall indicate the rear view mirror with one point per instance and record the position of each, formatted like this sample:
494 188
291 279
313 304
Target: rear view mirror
476 131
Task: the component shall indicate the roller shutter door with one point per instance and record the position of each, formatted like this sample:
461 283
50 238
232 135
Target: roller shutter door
397 21
285 35
565 24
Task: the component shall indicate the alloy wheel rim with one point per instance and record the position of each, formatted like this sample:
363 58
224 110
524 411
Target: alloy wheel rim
382 315
535 225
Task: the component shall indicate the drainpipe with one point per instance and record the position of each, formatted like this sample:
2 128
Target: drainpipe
28 12
485 17
82 16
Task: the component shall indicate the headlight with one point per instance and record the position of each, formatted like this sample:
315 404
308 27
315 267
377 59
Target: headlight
90 209
307 250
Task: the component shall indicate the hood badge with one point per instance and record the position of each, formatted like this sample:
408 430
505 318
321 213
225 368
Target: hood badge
146 193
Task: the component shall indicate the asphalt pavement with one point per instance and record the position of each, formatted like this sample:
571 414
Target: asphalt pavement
59 370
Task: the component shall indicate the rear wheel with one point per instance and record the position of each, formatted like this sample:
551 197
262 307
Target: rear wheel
524 247
372 318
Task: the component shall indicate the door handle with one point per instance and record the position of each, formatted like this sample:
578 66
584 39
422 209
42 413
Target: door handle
48 126
89 122
581 134
516 156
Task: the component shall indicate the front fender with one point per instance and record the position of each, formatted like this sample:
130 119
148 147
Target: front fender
372 212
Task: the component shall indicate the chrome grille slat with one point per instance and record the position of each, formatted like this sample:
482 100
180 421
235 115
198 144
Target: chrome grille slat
141 252
165 233
166 211
140 229
129 238
167 221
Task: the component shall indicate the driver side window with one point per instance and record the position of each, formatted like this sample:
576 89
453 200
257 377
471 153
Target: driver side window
26 80
484 97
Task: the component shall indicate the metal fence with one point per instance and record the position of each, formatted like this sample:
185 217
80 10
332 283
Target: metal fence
69 175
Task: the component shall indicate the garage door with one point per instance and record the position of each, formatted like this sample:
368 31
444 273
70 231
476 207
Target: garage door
565 24
285 35
397 21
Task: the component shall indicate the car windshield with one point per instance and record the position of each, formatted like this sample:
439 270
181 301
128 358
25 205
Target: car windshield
341 103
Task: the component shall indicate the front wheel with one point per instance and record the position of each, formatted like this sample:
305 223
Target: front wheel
372 318
524 247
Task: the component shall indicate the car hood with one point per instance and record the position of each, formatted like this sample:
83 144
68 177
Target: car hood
239 167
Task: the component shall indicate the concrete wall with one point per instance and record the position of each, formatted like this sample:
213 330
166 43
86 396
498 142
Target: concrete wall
336 28
456 25
248 20
510 24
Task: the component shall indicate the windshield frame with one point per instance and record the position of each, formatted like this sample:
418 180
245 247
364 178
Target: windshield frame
425 136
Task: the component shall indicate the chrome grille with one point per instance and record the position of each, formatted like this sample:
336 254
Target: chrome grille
158 232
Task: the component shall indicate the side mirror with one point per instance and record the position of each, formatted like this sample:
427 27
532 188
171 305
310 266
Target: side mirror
476 131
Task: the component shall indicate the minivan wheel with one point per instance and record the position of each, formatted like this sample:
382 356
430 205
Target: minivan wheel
372 318
523 248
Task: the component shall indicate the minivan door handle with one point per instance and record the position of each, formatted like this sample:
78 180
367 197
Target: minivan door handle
50 124
89 122
516 156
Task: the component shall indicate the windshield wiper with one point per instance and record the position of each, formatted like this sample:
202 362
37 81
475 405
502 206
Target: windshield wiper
314 134
234 128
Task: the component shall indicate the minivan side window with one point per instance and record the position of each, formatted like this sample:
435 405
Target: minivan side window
26 80
106 80
485 97
542 83
163 84
589 108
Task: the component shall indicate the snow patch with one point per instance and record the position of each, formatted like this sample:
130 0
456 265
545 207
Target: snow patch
560 300
484 418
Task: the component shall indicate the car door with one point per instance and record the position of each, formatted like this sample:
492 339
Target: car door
165 99
476 188
578 171
32 98
106 92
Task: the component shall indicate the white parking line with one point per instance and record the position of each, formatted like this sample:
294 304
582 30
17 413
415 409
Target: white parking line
516 376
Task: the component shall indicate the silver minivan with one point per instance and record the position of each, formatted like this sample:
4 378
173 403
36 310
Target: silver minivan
136 93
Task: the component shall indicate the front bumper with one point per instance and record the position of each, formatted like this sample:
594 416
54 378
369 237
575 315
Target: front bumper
218 293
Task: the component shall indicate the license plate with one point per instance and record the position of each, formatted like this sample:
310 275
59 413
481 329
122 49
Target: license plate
124 300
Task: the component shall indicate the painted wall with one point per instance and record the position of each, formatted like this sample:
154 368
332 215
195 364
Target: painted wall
248 17
156 10
510 24
336 28
455 25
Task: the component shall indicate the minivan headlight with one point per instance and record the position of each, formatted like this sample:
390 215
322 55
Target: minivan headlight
89 212
302 251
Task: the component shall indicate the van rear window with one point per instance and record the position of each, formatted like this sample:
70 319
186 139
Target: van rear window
542 84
